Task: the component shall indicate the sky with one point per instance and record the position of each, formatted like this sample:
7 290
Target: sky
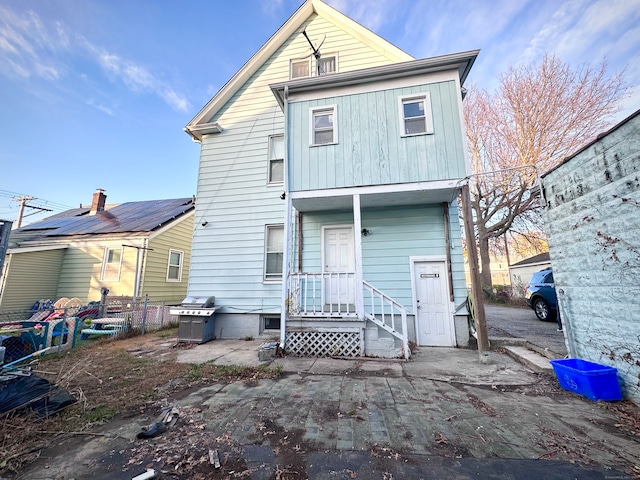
96 93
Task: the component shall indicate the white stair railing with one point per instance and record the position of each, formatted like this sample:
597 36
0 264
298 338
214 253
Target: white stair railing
385 312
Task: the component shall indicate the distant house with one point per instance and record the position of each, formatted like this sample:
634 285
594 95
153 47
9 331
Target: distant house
592 220
328 184
520 272
132 249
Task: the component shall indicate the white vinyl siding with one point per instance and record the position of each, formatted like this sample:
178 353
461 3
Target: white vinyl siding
274 247
174 268
111 264
324 126
415 115
233 195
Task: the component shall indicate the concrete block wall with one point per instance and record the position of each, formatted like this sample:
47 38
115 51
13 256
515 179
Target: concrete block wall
593 226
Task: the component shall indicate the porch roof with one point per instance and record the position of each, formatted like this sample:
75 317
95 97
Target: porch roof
419 193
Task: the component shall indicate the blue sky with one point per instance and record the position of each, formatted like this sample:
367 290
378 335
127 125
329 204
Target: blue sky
95 93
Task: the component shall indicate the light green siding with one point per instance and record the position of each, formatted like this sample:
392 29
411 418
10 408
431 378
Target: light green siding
370 148
31 276
155 282
396 235
233 196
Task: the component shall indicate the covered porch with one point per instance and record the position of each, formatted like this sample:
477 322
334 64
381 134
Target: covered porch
328 307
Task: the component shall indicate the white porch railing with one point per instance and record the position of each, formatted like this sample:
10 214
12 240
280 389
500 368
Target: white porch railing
332 294
385 312
326 294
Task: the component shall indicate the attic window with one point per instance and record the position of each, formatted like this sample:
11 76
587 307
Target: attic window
327 64
300 68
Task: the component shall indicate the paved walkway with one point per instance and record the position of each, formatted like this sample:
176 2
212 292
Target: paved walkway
444 414
443 404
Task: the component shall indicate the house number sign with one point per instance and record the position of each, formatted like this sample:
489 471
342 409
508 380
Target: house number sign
429 275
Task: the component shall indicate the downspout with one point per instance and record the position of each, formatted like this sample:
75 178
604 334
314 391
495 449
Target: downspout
447 239
284 303
145 247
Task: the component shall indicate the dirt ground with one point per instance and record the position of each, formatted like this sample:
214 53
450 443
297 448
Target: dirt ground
114 381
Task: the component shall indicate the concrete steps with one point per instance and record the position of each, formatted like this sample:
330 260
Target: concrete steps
532 356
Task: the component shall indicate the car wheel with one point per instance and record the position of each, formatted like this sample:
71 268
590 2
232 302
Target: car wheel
541 307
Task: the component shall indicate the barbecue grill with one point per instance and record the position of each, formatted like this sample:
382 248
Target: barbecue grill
196 316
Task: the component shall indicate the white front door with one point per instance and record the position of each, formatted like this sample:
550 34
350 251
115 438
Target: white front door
339 259
434 322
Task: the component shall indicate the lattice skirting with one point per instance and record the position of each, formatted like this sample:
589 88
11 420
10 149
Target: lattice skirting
324 343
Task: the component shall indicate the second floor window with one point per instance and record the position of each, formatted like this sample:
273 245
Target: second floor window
323 126
415 114
111 264
276 159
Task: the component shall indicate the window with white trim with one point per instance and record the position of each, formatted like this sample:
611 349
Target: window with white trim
323 126
174 267
326 64
274 252
276 159
300 68
415 115
111 264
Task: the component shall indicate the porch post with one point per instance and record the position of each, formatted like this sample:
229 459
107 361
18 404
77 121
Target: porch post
357 228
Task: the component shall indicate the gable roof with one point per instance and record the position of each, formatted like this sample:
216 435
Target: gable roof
462 62
131 217
309 7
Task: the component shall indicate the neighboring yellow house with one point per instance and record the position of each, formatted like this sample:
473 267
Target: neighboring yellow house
132 249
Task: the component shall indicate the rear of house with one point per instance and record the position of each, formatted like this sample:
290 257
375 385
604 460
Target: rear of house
327 211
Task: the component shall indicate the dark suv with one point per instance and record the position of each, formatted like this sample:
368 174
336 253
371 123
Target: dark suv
540 294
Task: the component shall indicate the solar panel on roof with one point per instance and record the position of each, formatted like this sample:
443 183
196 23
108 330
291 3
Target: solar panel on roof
142 216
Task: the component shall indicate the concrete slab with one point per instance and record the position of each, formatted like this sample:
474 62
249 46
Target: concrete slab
530 358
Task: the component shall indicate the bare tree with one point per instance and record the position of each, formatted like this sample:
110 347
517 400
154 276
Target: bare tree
539 114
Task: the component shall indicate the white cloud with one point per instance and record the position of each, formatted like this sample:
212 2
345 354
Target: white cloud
373 15
27 48
30 48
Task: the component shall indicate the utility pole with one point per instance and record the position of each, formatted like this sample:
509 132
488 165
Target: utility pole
23 204
476 285
5 229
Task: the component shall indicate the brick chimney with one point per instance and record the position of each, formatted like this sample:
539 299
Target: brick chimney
99 199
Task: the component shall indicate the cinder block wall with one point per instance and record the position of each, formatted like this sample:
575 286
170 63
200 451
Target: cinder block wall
593 226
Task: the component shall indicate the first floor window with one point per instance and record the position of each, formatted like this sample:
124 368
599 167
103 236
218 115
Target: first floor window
174 269
276 159
415 112
274 246
271 322
323 131
111 264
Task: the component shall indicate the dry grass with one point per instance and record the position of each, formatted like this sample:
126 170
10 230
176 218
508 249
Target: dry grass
119 378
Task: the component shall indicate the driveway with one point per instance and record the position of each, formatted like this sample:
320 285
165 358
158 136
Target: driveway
522 323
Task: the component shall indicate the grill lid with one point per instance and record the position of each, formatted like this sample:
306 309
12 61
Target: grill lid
198 302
